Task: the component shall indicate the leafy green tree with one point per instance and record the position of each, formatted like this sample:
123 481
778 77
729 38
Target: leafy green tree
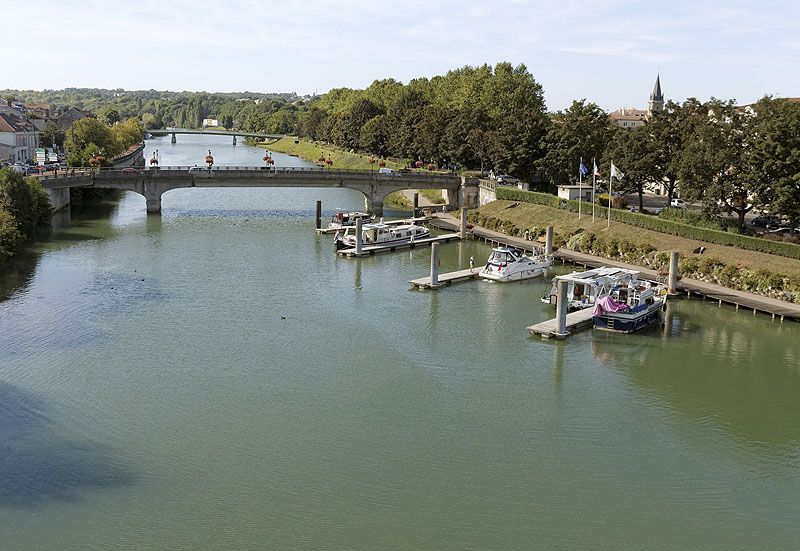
361 111
108 115
581 131
25 200
311 122
775 154
716 161
86 132
52 134
375 136
127 133
634 152
10 237
463 138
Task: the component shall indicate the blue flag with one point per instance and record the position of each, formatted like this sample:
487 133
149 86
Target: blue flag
582 169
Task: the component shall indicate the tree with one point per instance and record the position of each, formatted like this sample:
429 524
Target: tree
375 136
108 115
634 152
311 122
582 131
355 118
716 160
25 200
86 132
51 135
775 154
463 141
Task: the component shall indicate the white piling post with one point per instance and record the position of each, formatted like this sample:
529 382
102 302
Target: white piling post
358 236
434 264
463 226
673 272
561 308
548 242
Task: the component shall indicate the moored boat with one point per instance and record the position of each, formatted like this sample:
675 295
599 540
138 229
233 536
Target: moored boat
346 219
584 288
511 264
629 308
380 234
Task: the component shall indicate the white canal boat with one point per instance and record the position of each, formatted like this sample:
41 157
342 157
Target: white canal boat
629 308
380 234
584 288
342 219
511 264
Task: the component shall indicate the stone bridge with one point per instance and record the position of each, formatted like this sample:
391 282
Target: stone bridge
234 133
153 183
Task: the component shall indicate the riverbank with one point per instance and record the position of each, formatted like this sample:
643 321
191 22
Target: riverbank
349 160
747 271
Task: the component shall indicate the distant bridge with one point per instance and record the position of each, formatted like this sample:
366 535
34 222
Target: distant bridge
234 133
154 182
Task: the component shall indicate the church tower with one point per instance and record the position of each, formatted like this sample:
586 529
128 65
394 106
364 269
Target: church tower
656 102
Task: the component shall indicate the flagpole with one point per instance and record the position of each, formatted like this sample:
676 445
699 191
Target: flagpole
610 178
594 183
580 189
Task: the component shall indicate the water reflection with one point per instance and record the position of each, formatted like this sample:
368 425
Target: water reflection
40 465
730 372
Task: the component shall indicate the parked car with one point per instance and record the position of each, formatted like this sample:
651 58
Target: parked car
677 203
506 179
783 230
20 168
766 221
385 170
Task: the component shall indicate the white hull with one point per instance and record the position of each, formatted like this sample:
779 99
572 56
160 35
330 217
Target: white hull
503 277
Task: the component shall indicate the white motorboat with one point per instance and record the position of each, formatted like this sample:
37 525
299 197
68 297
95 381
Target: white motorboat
629 308
380 234
346 219
511 264
584 288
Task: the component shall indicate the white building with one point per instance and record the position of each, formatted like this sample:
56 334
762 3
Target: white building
210 122
18 137
573 192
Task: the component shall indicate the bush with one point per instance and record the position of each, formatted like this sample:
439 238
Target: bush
789 250
10 237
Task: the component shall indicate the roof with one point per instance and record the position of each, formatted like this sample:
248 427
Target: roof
656 95
13 123
628 113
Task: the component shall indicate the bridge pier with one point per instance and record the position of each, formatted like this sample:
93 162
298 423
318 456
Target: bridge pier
234 140
173 139
152 192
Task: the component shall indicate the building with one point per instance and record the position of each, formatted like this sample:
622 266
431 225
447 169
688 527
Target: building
66 118
18 137
210 122
573 192
629 117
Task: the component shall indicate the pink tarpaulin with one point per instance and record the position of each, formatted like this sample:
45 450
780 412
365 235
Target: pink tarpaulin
608 304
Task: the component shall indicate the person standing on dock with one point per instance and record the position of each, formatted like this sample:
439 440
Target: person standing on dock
471 264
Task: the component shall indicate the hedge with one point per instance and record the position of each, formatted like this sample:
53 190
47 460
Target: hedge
789 250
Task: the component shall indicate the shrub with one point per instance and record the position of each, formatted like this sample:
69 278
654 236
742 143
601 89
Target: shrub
789 250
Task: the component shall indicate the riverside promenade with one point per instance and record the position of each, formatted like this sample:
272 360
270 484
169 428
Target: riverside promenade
710 291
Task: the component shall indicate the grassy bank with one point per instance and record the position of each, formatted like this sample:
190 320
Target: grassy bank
753 271
347 160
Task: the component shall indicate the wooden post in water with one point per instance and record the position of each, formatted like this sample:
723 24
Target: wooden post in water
673 272
434 264
358 235
561 309
463 227
548 241
319 214
416 204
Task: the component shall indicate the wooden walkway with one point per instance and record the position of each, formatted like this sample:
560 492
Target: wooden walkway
575 321
722 295
375 249
419 220
445 279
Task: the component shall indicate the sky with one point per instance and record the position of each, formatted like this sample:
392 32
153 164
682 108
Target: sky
607 51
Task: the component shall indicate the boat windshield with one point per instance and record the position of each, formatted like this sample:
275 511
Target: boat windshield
501 257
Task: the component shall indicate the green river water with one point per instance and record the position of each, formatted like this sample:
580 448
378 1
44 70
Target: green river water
214 378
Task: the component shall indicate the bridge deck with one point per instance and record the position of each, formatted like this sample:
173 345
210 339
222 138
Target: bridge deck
375 249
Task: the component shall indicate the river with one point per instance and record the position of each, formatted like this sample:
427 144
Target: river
214 378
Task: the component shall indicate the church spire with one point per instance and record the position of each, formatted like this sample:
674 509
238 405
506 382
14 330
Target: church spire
656 102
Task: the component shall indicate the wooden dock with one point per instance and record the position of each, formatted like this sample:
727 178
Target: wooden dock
419 220
575 321
375 249
445 279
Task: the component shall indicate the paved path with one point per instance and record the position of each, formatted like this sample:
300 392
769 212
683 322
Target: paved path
423 201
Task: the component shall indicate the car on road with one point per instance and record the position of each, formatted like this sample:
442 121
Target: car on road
20 168
389 171
196 168
677 203
766 221
506 179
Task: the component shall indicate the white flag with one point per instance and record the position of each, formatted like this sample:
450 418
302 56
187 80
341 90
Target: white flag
616 172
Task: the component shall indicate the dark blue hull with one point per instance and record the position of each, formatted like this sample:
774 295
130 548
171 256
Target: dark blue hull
628 322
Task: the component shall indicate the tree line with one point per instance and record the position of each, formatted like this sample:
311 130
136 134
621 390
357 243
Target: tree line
24 207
